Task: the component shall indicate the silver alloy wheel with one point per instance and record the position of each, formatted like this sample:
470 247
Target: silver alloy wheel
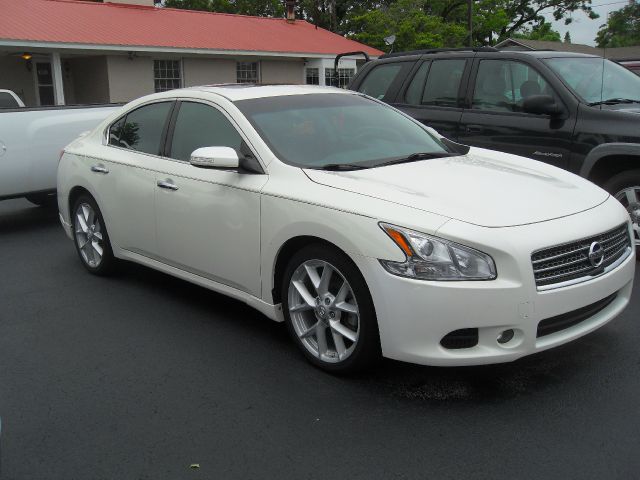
324 311
630 199
89 235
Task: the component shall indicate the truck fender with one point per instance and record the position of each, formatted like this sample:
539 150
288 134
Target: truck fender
606 150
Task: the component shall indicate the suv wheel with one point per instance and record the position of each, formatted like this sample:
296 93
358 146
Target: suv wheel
625 187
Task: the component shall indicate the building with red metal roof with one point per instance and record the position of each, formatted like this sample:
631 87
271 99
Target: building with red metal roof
74 51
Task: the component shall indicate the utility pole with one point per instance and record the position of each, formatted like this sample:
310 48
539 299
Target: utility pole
470 21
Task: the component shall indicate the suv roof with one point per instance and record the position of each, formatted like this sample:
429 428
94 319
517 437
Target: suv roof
488 50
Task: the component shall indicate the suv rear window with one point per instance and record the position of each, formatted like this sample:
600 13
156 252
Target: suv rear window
377 83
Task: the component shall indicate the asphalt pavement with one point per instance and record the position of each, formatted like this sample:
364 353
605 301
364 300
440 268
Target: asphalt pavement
141 376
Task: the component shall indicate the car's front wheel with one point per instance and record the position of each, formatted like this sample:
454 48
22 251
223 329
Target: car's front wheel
91 237
329 311
625 187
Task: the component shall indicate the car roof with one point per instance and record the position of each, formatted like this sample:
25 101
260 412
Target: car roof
235 91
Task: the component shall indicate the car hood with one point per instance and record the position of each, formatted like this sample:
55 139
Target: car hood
484 187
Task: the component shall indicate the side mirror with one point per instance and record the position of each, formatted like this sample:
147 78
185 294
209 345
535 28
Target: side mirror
215 157
541 105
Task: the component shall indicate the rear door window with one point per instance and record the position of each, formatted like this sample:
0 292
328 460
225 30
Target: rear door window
380 79
142 129
442 84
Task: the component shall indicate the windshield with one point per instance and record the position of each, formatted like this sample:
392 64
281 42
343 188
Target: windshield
322 130
585 77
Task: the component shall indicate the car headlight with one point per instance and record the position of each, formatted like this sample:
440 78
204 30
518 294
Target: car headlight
433 258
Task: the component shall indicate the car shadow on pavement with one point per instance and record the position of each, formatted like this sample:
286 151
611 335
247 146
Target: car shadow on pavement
415 383
19 216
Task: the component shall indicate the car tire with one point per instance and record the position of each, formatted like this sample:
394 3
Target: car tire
332 319
90 236
625 187
43 199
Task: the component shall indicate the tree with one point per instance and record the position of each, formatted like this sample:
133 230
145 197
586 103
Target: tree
567 37
542 31
622 28
413 28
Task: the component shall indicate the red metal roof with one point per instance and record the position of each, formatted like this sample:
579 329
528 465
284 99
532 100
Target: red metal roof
81 22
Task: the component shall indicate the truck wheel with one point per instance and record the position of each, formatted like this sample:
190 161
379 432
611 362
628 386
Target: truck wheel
625 187
43 199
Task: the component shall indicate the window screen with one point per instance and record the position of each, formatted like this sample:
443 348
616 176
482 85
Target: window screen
166 75
312 76
247 72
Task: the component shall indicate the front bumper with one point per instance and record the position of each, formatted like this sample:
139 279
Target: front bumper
414 315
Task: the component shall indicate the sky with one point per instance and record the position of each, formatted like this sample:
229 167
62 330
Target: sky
582 29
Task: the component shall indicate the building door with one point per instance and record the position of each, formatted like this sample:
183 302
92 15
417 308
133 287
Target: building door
44 83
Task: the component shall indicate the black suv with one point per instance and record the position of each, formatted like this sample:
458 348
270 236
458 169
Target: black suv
578 112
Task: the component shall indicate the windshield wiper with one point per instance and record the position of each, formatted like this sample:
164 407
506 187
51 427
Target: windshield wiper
613 101
342 167
415 157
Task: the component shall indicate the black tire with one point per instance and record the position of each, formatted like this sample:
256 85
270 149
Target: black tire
366 352
107 263
43 199
617 184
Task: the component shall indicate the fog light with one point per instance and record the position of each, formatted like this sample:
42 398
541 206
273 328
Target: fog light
506 336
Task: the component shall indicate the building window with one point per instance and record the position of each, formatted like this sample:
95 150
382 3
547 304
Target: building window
313 76
344 76
247 72
166 75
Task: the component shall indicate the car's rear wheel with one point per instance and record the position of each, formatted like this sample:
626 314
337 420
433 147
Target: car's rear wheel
91 237
625 187
329 311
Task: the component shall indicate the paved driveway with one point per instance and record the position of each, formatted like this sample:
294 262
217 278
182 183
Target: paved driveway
140 375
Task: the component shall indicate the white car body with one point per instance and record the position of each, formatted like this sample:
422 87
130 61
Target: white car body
224 230
31 141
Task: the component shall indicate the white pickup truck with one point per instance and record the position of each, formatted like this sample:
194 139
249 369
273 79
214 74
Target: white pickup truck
31 141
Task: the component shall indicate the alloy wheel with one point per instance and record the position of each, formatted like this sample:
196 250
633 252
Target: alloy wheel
88 233
323 310
630 199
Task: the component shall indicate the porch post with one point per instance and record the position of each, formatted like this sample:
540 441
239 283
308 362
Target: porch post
58 87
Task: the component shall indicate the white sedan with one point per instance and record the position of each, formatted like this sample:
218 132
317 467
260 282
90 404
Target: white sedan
367 233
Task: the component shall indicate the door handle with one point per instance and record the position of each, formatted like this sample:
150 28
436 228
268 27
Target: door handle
169 185
474 128
99 169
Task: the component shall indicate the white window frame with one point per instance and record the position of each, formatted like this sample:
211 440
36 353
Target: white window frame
241 68
343 80
156 78
306 75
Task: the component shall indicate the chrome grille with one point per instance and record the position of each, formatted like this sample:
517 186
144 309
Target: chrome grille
570 261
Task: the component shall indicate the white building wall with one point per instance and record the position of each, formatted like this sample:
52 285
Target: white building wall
207 71
129 78
282 71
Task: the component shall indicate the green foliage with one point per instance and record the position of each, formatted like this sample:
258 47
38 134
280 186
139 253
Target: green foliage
622 29
260 8
416 23
542 31
414 29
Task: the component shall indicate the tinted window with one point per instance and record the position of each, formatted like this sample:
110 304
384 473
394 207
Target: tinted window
443 83
7 101
380 79
414 92
142 129
503 85
199 125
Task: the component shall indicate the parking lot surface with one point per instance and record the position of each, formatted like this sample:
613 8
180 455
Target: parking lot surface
140 375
